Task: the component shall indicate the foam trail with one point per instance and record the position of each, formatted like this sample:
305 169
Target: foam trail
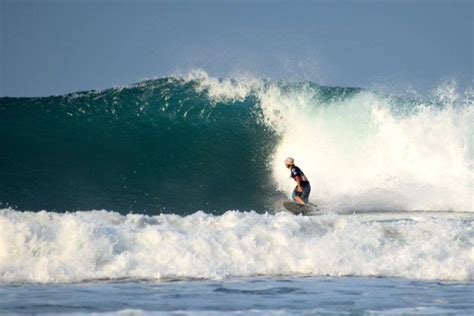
367 151
72 247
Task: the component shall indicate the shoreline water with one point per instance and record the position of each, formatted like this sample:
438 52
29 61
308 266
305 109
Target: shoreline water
254 296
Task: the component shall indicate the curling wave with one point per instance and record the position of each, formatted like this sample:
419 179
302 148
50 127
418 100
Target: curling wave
177 145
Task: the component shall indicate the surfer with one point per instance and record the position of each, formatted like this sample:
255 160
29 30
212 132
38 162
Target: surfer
303 188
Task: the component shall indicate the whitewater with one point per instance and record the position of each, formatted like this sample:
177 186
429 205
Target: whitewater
82 246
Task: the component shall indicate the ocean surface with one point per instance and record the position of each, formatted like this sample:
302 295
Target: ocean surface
243 296
164 197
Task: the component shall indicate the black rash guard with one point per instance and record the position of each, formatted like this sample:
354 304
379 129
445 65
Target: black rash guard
296 172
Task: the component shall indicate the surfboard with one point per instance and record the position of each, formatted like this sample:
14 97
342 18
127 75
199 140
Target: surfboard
297 208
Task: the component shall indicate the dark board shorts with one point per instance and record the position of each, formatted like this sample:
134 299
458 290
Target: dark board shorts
305 194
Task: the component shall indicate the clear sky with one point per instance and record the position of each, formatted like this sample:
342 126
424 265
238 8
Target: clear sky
58 46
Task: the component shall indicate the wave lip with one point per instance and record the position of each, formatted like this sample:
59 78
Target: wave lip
73 247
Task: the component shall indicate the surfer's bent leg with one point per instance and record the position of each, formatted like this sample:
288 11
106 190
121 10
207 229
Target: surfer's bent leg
296 196
306 191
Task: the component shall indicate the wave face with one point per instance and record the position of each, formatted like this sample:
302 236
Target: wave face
158 146
95 245
178 145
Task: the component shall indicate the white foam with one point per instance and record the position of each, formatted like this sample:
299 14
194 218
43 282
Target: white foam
224 90
52 247
364 152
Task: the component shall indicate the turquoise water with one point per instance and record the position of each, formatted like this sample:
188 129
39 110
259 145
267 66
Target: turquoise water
157 147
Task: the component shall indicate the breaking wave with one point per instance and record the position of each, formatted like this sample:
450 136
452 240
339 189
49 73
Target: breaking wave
178 145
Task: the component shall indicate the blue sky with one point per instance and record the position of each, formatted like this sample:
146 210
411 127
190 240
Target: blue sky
54 47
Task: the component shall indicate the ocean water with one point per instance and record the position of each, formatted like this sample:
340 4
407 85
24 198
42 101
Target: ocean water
243 296
165 197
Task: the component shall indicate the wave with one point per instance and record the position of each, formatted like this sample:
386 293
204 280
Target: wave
50 247
177 145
